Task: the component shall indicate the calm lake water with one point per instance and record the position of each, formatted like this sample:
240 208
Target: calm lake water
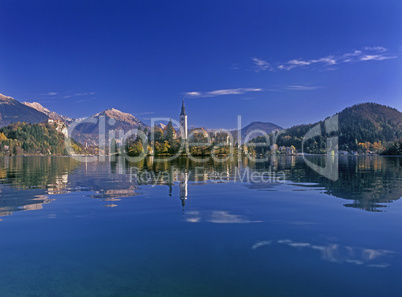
180 228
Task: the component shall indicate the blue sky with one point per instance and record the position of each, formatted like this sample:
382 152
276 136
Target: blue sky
286 62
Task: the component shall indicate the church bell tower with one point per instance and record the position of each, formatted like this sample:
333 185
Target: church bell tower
183 121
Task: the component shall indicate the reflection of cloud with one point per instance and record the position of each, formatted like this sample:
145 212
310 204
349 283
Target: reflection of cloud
110 205
338 253
379 265
216 216
261 243
225 217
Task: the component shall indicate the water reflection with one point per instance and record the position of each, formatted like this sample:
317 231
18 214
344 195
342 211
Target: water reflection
216 216
26 183
334 252
370 183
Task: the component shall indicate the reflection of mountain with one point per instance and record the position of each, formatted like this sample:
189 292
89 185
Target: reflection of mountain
368 181
107 181
26 183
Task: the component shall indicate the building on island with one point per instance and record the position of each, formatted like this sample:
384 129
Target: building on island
183 121
60 126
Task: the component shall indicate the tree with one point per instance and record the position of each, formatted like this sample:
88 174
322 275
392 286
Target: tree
113 147
158 133
170 131
136 149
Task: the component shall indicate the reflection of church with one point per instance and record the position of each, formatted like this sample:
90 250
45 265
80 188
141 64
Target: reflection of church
183 188
182 178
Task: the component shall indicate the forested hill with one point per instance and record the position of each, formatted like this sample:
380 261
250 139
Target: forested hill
34 139
366 126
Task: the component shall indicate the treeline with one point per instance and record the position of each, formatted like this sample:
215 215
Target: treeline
363 128
394 149
168 142
34 139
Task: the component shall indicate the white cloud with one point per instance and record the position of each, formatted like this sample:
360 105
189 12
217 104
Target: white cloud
215 93
261 65
376 57
330 60
299 62
279 88
327 60
79 95
368 53
84 94
375 48
293 64
302 88
352 54
193 94
50 94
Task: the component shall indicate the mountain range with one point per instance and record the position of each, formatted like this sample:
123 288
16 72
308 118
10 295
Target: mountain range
254 129
51 114
12 111
110 119
367 122
87 131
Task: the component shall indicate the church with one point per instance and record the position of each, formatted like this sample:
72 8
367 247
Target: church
183 122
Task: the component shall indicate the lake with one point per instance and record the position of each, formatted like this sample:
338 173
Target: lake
184 228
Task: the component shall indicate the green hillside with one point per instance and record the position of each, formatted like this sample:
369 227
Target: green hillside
362 127
34 139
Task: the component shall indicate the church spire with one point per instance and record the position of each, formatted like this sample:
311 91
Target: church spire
183 122
183 109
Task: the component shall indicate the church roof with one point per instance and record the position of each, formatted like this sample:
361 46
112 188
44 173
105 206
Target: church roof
199 130
183 109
